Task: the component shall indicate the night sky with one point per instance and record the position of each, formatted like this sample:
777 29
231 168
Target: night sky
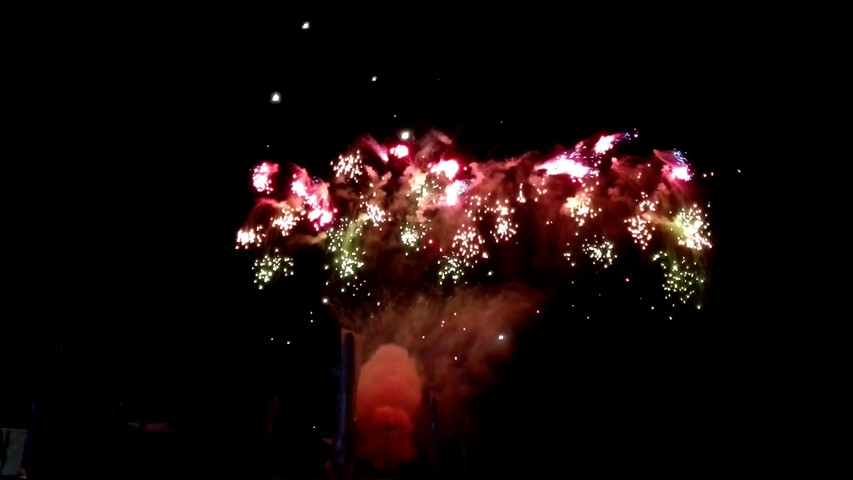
156 309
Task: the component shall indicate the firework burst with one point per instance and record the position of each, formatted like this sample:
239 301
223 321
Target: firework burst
692 229
435 207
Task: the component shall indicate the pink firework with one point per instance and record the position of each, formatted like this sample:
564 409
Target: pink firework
448 167
452 192
261 177
315 196
675 163
680 173
380 150
605 143
400 151
562 165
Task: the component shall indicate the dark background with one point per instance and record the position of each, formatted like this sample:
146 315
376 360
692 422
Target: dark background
139 137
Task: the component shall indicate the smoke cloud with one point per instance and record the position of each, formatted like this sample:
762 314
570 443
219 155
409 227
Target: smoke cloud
388 407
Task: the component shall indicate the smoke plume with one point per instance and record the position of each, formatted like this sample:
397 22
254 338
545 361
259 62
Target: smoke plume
388 407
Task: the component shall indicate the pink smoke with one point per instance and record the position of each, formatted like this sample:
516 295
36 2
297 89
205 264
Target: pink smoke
388 403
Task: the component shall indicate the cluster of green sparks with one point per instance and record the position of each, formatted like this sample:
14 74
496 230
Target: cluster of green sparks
269 266
682 278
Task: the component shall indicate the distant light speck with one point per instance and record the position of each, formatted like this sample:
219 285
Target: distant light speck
306 25
374 78
275 98
500 337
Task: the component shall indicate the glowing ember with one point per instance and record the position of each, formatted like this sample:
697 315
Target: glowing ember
563 166
448 167
349 166
452 192
261 177
400 151
604 144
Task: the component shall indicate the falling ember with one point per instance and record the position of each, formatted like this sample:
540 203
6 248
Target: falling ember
267 267
411 236
600 252
580 208
349 167
287 220
250 237
261 177
504 227
640 226
376 214
682 278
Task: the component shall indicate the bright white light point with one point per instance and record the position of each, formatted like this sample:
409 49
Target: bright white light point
405 134
314 426
325 301
500 337
455 357
306 25
270 338
288 342
627 279
423 336
490 273
275 98
738 170
374 78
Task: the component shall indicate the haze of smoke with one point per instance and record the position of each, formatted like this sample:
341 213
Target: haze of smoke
388 407
456 339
